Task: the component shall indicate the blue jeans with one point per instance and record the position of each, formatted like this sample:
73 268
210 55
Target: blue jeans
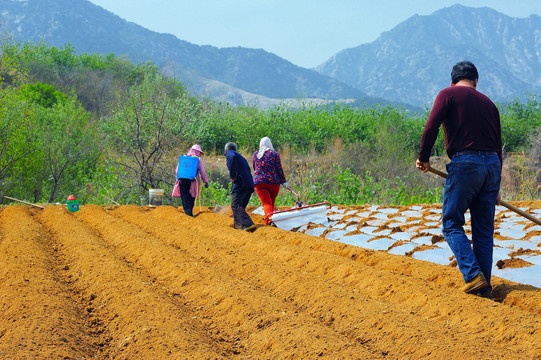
473 182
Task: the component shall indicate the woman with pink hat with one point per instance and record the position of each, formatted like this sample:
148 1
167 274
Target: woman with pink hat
188 189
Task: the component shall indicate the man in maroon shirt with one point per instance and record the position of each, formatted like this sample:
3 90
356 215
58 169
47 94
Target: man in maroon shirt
472 133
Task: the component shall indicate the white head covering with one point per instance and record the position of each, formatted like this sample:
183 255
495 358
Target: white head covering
264 145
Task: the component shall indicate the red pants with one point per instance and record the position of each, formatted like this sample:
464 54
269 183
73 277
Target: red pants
267 193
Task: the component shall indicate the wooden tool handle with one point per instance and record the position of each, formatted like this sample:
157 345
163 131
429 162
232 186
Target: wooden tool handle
24 202
437 172
503 203
520 212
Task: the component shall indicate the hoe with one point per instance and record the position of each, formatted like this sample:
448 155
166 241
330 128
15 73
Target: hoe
503 203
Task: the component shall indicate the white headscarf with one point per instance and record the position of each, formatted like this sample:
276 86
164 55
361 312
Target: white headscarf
264 145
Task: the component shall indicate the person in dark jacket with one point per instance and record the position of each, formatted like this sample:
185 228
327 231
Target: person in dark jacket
243 187
472 132
268 175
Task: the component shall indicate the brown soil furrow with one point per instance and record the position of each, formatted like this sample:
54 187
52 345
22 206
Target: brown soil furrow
260 272
507 292
39 317
436 305
525 297
138 321
266 326
128 282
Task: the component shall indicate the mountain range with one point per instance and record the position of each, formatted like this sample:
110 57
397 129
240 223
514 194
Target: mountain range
413 61
406 66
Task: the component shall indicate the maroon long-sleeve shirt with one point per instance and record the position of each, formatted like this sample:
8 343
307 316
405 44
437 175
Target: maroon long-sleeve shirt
470 121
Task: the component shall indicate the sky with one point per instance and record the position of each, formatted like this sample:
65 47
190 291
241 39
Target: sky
304 32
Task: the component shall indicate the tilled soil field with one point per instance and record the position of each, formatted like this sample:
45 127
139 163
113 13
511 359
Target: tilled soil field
128 282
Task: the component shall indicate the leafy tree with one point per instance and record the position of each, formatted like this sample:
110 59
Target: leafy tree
94 78
14 122
146 125
14 140
63 142
519 122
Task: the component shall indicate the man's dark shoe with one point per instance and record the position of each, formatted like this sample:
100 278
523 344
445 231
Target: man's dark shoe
477 283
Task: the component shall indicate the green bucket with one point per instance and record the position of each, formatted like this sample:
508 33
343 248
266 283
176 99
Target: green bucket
73 205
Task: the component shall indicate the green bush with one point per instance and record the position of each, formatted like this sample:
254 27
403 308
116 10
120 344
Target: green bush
42 94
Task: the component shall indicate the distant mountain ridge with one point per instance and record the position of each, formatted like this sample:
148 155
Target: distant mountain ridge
413 61
406 65
90 28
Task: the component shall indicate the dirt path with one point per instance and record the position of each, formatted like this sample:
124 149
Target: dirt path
150 283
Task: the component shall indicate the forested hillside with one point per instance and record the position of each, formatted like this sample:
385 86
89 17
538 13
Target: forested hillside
107 130
226 73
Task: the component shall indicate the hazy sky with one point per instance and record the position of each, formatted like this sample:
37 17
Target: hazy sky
305 32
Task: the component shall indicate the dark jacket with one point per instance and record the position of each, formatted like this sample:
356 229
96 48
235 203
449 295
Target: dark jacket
240 171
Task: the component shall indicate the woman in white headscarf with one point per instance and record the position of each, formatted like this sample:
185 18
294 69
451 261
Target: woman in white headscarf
268 174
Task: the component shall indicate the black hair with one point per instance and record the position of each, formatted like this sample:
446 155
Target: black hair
464 70
230 146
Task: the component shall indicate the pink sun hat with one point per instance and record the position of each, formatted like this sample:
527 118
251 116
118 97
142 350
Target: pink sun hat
195 150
